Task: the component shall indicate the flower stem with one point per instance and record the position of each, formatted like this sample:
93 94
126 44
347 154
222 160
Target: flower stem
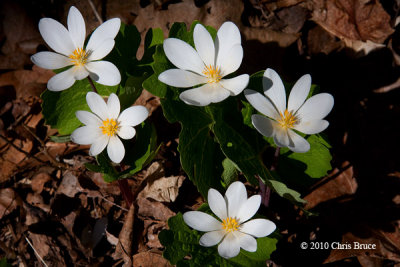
126 192
92 84
266 190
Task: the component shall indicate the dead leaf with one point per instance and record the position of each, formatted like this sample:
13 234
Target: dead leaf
9 201
149 259
337 184
352 19
69 185
39 180
152 235
152 209
124 247
164 189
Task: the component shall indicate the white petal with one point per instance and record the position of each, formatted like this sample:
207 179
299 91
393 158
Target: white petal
312 127
297 143
85 135
212 238
103 50
88 118
263 125
50 60
204 95
61 81
115 149
235 196
247 242
126 132
76 27
229 247
258 227
228 36
113 106
217 204
201 221
107 30
274 89
235 85
316 107
97 105
98 145
133 116
181 78
104 72
261 103
232 60
56 36
299 93
281 137
249 208
79 72
182 55
204 44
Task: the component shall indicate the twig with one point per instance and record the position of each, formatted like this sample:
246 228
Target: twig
44 150
122 208
37 254
92 84
95 11
22 151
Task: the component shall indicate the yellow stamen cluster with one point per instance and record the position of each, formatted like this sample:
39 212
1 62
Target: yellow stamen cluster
110 127
79 57
230 224
213 74
287 120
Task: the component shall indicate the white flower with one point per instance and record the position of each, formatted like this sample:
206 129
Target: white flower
68 45
299 114
104 126
206 66
234 228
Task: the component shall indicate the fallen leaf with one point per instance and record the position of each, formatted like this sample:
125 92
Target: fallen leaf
39 180
149 259
338 183
164 189
124 247
9 201
152 209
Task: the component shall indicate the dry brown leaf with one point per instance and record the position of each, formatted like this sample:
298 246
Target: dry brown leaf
164 189
69 185
124 247
352 19
152 235
149 259
339 183
39 180
152 209
9 200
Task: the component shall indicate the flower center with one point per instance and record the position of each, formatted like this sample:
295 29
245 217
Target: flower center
110 127
79 57
287 120
230 224
213 74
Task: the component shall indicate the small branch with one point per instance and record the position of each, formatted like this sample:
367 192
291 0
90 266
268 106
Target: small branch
44 150
109 201
22 151
37 254
92 84
95 11
126 191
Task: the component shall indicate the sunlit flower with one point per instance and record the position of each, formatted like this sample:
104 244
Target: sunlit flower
206 65
105 125
233 230
303 115
68 45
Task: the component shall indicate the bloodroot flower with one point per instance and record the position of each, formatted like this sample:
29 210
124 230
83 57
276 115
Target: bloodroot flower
233 230
68 45
105 125
206 66
303 115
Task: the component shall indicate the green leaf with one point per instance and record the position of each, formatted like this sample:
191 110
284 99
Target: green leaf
180 241
143 150
60 139
230 174
105 167
200 154
4 263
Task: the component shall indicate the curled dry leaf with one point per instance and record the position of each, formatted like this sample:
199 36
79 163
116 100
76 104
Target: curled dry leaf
39 180
338 183
353 21
155 210
165 189
149 259
9 200
124 247
69 185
